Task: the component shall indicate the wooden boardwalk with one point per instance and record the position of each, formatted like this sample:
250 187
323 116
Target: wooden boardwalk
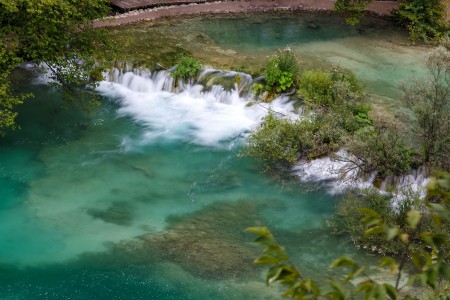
125 5
212 6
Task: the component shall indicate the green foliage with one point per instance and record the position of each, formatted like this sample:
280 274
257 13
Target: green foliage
379 148
425 19
337 99
277 140
316 87
348 220
430 101
56 33
281 140
353 10
280 73
330 88
8 101
186 68
430 254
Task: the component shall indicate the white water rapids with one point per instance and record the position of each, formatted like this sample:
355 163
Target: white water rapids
221 117
214 117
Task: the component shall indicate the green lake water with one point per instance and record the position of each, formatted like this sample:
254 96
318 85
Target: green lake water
146 197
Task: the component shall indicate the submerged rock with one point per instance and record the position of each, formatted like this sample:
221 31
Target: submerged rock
210 243
119 213
312 25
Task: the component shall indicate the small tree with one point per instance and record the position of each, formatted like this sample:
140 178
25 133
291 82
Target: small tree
430 101
425 19
58 34
352 9
379 148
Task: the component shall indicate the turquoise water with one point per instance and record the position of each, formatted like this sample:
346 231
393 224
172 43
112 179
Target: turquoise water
146 197
112 206
377 50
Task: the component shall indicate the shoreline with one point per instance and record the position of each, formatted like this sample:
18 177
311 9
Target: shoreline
380 8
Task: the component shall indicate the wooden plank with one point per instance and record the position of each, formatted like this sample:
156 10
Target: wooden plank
139 4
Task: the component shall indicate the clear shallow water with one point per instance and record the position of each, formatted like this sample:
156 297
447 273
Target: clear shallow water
377 50
146 198
145 201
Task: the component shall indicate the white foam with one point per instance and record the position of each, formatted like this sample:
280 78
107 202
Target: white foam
216 117
340 176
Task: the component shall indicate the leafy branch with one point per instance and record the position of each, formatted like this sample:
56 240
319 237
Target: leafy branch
430 260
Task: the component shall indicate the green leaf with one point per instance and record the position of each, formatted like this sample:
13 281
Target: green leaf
343 262
266 260
262 231
390 291
443 212
374 230
273 274
370 217
413 218
390 263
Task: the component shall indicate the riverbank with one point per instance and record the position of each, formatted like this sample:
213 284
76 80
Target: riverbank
381 8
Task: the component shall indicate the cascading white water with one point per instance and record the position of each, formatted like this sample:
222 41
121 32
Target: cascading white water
213 115
340 176
189 112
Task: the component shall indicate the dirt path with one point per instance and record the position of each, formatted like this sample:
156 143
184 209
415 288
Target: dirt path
379 7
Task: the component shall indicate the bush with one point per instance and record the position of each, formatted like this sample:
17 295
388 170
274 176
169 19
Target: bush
280 73
316 87
186 68
330 88
425 19
348 220
352 9
285 141
429 101
380 149
277 140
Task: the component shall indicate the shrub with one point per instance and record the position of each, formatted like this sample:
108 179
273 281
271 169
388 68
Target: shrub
425 19
429 101
352 9
285 141
316 87
277 140
380 149
186 68
330 88
280 73
349 213
348 220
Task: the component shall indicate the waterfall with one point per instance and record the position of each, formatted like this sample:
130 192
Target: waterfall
339 176
212 111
